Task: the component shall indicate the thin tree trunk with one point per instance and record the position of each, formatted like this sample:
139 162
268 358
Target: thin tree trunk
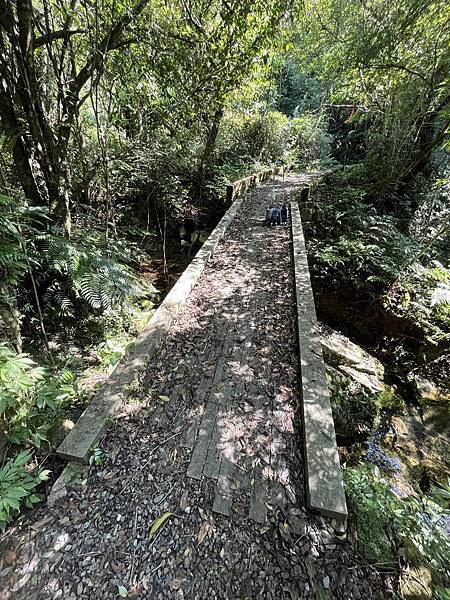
209 149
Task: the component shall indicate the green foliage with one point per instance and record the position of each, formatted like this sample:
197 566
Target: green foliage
388 62
298 92
15 217
18 223
351 241
391 401
353 244
310 142
259 137
384 522
441 493
369 499
18 486
422 293
96 457
88 271
31 399
354 410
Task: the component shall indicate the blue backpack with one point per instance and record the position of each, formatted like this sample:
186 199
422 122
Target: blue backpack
276 216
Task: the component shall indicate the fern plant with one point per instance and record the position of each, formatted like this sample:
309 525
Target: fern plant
441 294
18 486
31 399
18 224
84 271
17 221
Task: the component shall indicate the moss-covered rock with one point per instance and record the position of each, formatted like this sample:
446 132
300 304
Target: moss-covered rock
354 409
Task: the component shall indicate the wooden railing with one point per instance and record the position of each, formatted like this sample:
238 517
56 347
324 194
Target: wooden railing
241 185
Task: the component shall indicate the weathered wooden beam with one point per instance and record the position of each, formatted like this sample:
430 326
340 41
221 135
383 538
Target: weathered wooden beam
325 488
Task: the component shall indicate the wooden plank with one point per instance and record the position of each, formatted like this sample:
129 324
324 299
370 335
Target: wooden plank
223 499
258 507
205 432
213 457
191 434
323 472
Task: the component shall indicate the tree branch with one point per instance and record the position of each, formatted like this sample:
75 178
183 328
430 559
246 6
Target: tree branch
108 43
60 34
400 67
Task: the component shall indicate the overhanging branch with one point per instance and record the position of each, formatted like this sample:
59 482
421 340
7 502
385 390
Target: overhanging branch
60 34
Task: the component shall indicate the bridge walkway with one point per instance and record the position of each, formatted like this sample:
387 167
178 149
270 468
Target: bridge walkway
200 492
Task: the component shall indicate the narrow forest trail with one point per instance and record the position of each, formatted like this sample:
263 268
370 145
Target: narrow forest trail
213 436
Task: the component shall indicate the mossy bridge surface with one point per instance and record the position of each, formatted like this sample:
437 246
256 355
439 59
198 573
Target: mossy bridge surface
220 475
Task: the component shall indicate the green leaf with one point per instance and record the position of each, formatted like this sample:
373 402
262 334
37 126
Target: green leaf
164 398
122 591
158 523
43 475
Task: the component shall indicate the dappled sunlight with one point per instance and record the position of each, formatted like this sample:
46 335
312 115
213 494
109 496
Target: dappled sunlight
216 403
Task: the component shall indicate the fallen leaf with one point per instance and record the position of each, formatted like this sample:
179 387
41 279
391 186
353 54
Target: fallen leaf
122 591
184 501
40 524
164 398
9 557
135 592
175 584
159 522
203 532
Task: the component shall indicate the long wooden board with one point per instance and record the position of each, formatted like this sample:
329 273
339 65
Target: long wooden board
325 488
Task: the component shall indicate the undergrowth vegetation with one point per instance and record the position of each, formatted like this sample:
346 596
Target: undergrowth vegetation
354 244
388 525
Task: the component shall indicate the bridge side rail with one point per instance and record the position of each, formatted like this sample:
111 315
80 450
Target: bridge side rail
94 421
238 187
325 488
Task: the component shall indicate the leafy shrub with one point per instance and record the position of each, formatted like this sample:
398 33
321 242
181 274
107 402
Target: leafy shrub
423 293
17 225
310 142
352 240
391 401
383 522
18 486
85 271
353 245
31 399
260 137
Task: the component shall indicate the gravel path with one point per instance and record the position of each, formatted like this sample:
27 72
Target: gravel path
212 436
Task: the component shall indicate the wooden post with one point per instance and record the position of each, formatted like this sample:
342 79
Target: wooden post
230 193
304 197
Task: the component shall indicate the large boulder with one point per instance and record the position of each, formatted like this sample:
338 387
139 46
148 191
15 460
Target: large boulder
351 360
426 390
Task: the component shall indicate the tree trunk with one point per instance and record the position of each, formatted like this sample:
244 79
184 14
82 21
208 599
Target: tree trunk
40 148
209 149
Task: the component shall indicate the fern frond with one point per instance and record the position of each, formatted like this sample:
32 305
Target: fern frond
441 295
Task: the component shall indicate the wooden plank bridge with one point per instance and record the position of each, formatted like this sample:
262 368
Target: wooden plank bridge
221 426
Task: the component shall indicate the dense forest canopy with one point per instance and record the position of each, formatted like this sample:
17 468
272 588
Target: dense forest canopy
122 121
